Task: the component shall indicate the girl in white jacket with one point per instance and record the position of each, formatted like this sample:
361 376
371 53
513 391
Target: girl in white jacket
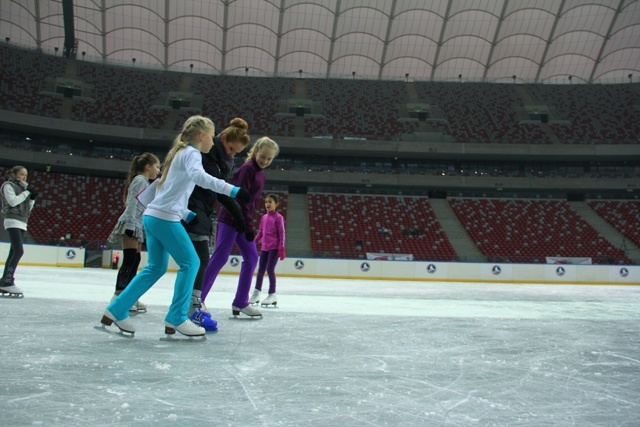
164 233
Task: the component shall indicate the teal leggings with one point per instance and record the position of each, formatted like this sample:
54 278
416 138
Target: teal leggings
164 238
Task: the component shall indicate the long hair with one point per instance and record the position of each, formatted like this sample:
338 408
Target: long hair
14 170
138 165
237 131
190 132
261 143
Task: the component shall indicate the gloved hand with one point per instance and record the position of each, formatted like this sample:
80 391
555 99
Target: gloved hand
243 196
128 232
192 218
240 227
250 235
34 193
282 254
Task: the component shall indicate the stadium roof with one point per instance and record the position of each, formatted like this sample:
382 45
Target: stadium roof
593 41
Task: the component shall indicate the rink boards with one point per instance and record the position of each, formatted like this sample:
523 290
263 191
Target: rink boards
37 255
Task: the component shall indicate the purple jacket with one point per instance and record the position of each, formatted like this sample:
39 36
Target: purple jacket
271 231
250 177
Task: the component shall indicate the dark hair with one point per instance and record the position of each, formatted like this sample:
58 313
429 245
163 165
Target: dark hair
14 170
272 196
138 165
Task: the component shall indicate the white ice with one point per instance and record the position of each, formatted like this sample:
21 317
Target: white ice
334 353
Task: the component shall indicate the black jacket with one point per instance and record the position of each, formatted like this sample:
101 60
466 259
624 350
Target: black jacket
217 164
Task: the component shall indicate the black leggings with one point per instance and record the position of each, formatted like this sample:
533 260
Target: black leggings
16 237
128 269
202 249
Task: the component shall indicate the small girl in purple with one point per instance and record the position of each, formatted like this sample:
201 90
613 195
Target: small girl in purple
271 234
251 175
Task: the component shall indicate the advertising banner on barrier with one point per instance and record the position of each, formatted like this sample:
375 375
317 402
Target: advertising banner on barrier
389 257
568 260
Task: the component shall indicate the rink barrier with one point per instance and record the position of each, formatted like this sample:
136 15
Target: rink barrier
436 271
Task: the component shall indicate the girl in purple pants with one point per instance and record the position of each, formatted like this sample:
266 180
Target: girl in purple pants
251 175
271 234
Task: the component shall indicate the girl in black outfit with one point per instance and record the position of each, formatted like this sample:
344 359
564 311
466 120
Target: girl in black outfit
218 163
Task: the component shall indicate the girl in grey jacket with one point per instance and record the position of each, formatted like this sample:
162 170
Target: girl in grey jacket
128 230
18 199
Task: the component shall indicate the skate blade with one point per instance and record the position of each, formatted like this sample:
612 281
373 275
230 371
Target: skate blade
183 338
119 332
11 295
273 305
245 317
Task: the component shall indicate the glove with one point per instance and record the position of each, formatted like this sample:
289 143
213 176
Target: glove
192 218
282 254
34 193
128 233
242 196
250 235
241 228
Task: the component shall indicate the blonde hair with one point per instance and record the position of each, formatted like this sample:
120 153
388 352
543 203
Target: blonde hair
237 132
14 170
264 142
189 134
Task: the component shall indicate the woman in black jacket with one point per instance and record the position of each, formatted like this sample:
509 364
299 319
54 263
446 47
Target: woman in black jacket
218 163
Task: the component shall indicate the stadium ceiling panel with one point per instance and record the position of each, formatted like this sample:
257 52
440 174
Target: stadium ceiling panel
593 41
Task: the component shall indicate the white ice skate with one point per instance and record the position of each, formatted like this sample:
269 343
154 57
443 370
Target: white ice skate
186 328
138 307
256 296
125 325
11 291
250 311
270 300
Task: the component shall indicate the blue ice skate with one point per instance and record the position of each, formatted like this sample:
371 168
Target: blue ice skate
202 318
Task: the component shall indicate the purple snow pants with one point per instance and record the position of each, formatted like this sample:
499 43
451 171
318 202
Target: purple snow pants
227 236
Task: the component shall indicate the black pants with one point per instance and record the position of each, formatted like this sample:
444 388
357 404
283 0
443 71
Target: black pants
202 249
16 237
128 269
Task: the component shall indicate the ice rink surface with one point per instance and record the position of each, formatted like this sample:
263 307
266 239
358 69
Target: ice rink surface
334 353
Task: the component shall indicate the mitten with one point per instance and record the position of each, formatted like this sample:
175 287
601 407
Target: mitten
191 218
128 233
243 196
282 254
250 235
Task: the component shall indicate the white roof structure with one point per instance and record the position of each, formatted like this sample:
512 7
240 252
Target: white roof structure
533 41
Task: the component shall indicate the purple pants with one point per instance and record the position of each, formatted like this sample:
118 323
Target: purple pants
268 261
227 236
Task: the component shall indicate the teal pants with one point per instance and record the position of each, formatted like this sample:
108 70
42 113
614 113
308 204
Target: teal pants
164 238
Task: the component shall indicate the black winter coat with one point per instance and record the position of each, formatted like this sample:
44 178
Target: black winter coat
202 201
